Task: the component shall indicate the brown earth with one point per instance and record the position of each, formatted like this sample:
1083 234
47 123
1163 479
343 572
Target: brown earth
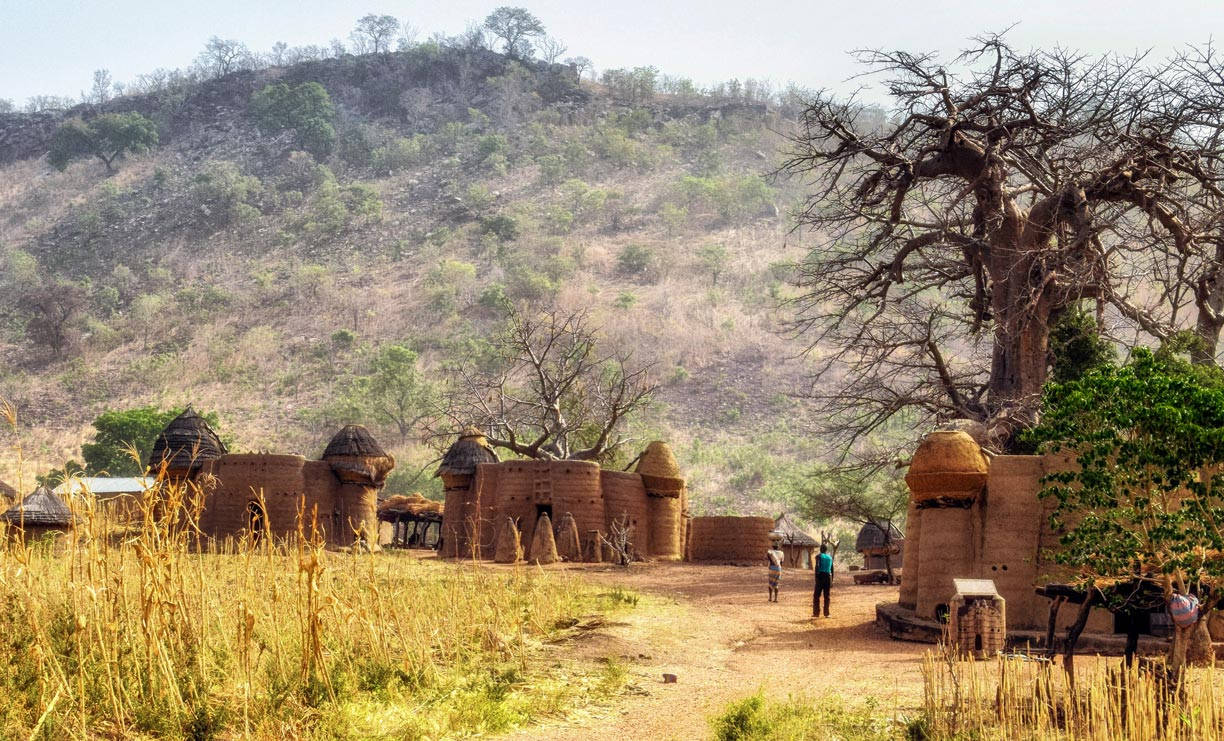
712 627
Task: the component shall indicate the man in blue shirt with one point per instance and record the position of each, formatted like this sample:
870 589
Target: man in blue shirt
824 581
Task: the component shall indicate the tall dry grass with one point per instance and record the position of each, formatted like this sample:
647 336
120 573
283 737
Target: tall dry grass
1028 698
151 631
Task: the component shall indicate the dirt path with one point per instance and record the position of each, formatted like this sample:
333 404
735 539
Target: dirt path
714 629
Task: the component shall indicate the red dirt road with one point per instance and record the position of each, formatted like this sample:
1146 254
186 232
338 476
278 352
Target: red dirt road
714 629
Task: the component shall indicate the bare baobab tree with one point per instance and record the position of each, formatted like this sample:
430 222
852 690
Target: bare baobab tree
550 391
1003 188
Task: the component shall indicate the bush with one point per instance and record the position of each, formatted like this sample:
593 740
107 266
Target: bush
224 194
399 154
635 259
305 109
502 226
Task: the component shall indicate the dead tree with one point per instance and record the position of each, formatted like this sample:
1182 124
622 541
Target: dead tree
1003 188
550 391
620 540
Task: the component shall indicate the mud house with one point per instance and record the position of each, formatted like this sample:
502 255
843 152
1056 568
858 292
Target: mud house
974 517
268 492
483 493
874 545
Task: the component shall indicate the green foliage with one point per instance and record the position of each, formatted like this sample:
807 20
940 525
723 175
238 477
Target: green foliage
502 226
224 194
517 29
118 432
634 86
625 300
753 719
734 199
399 154
714 260
392 391
1076 346
305 109
1148 487
108 137
635 259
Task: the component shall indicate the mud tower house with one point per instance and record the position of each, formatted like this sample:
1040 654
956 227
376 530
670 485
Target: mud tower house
482 493
263 492
974 517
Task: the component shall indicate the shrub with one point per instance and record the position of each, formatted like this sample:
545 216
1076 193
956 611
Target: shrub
107 137
305 109
502 226
224 194
635 259
626 300
399 154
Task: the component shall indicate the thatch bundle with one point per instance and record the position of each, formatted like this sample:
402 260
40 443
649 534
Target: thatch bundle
948 465
569 546
412 505
509 544
41 509
186 444
357 458
659 471
543 544
469 451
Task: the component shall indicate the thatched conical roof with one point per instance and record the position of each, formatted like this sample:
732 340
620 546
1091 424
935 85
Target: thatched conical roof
42 508
353 440
186 443
469 451
659 471
356 457
790 533
871 537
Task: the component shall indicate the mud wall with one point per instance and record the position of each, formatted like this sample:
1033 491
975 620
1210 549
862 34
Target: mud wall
625 498
666 528
735 539
576 489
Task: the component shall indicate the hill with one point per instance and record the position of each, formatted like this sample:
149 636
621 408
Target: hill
230 268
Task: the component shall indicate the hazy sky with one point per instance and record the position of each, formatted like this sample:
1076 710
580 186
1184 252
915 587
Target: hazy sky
52 46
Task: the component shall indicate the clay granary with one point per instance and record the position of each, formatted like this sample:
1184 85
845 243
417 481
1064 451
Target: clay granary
483 494
264 493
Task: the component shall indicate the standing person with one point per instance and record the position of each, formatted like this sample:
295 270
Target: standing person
824 581
774 557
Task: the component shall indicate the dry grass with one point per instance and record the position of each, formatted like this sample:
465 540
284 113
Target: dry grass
149 631
1021 697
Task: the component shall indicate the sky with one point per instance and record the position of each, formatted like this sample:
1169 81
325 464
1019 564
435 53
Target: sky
53 46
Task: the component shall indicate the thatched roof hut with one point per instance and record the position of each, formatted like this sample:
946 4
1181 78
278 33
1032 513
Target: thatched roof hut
186 444
871 539
42 509
469 451
790 533
356 457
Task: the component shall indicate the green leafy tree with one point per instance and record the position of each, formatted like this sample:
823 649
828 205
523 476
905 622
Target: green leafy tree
374 33
118 432
517 29
1076 346
393 391
108 137
305 109
879 499
1145 499
714 259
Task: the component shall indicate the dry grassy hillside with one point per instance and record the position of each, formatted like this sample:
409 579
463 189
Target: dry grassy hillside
228 269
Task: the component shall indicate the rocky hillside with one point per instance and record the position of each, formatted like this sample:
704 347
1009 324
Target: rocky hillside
230 268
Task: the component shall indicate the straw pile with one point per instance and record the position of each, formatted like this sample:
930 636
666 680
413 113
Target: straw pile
509 545
543 544
569 546
413 505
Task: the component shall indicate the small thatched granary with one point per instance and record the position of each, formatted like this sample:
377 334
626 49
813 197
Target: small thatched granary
356 457
416 522
875 546
798 547
185 445
39 515
461 458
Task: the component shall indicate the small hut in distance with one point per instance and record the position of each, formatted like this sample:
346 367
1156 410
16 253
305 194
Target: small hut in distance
798 547
874 545
38 516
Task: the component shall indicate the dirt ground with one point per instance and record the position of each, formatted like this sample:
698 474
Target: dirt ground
712 627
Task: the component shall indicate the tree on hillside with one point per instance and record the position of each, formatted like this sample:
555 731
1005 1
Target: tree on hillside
548 390
517 29
224 56
108 137
1144 501
879 500
53 314
396 392
305 109
374 33
551 49
100 90
1006 187
583 65
118 432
